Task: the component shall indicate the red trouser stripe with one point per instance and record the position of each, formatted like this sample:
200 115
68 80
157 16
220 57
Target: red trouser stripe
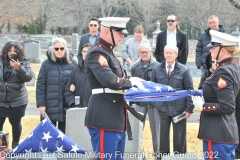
101 144
210 152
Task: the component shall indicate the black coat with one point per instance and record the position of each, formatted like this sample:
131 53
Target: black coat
13 92
82 89
202 50
105 111
217 121
51 84
182 44
180 79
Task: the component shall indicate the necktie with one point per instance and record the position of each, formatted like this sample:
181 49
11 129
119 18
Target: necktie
169 70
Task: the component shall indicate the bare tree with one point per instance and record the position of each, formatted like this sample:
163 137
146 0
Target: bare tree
16 11
197 13
146 14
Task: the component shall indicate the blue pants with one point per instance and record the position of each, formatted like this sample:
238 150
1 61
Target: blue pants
107 145
219 151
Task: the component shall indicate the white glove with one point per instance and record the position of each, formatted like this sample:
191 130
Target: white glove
198 101
137 82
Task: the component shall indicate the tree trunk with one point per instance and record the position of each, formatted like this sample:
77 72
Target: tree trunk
235 4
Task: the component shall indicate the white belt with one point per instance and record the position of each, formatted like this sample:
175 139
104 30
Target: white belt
106 90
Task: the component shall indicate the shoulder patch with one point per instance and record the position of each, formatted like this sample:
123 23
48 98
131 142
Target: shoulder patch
221 83
102 61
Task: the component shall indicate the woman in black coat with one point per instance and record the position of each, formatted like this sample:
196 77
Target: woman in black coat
51 83
14 72
77 84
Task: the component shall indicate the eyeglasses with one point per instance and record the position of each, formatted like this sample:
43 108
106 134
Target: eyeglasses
61 48
171 20
144 52
93 25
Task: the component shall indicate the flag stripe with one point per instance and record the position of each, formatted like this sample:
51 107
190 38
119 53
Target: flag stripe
210 150
101 144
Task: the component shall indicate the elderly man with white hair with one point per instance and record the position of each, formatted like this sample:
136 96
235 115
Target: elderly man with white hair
172 73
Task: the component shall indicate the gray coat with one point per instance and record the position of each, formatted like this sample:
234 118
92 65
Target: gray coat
180 79
13 92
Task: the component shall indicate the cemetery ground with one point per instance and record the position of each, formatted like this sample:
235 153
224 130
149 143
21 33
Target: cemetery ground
29 122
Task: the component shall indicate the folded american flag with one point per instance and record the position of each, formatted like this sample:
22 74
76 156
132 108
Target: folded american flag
151 91
47 138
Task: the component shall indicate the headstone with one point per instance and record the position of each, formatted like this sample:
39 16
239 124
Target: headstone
28 41
78 133
75 43
3 40
32 51
23 36
44 43
192 46
155 34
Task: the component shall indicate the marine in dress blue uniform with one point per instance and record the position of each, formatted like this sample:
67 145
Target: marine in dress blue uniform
218 127
106 116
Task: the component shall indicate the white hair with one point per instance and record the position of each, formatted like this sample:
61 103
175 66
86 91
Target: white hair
170 46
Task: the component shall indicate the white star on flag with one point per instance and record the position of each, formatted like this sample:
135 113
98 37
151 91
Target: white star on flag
44 150
28 151
74 148
157 88
60 149
30 135
47 136
61 135
169 88
134 89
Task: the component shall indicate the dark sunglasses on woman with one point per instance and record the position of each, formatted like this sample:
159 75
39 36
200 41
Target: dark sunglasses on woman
61 48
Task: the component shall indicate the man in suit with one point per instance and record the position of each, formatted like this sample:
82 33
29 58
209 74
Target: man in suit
174 36
90 37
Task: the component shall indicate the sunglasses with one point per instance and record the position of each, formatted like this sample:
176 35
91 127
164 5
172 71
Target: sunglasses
93 25
171 20
213 61
61 48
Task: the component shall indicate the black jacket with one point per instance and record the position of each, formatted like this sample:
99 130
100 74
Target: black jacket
217 121
13 92
51 84
82 89
105 111
180 79
182 44
202 50
83 40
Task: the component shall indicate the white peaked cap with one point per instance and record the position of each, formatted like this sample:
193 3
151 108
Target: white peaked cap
223 39
118 22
